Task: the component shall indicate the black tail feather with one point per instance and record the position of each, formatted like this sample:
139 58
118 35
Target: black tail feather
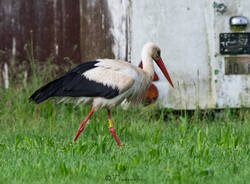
46 91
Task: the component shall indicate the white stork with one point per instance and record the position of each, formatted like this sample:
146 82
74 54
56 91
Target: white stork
105 83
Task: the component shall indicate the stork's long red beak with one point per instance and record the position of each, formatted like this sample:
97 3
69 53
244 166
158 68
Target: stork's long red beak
161 65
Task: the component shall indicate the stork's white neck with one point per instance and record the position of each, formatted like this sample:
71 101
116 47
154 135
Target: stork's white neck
147 61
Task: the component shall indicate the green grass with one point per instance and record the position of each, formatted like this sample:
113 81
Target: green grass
160 146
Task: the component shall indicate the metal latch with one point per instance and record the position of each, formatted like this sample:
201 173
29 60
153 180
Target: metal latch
238 21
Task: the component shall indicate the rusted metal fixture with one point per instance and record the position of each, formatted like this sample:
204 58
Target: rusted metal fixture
220 7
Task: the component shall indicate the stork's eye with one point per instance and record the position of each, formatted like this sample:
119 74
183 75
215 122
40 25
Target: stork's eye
159 53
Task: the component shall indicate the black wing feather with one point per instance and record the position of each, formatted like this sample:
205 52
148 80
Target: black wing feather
74 84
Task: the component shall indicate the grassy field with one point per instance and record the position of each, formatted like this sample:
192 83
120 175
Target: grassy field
160 146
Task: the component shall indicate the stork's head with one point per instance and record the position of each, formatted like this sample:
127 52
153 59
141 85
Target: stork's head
153 51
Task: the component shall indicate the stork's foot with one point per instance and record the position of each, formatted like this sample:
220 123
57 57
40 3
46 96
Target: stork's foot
80 129
112 131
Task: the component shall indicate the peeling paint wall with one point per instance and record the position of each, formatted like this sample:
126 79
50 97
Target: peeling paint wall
118 10
96 38
104 29
53 25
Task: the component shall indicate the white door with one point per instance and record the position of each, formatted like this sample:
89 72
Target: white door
232 82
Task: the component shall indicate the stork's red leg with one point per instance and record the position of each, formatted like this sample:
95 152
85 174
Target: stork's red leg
112 130
81 127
